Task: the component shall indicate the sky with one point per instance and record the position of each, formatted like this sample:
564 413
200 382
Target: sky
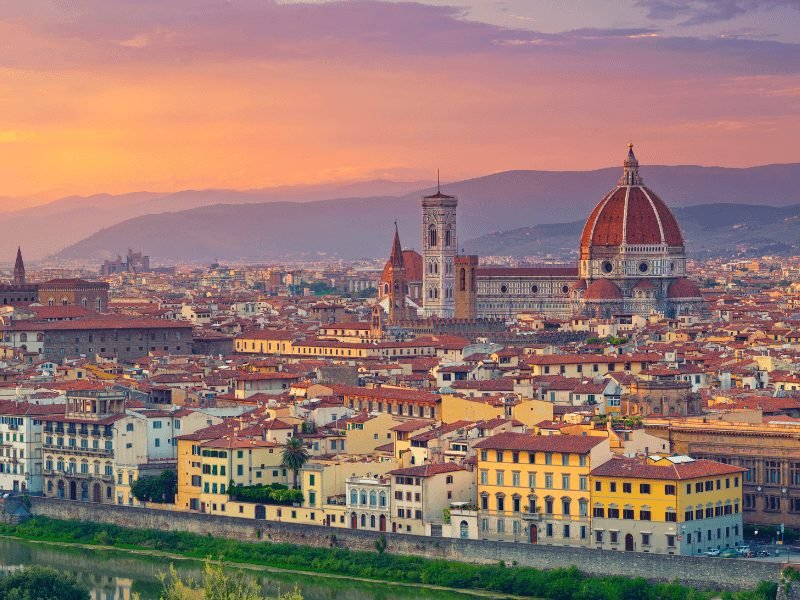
124 95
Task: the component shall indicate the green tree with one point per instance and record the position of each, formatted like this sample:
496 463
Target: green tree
218 584
41 583
161 489
295 455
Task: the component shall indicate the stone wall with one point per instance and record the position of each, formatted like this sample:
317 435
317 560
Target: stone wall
718 573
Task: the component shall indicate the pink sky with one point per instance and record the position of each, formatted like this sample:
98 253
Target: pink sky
117 96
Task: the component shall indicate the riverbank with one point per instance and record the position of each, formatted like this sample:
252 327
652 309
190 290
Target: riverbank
528 582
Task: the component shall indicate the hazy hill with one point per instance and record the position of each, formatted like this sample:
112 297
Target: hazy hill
47 228
360 227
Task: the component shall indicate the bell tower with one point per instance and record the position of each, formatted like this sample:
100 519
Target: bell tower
398 284
19 269
439 246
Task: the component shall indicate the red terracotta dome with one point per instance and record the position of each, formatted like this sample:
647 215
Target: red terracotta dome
631 214
684 288
413 265
602 289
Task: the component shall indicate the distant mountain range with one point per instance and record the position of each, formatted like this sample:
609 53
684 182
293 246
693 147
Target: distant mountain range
551 207
47 228
721 229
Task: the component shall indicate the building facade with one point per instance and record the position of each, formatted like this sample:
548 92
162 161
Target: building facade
666 505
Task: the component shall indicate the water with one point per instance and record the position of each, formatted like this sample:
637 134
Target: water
117 575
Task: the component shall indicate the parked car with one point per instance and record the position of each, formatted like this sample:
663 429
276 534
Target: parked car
714 552
743 550
729 553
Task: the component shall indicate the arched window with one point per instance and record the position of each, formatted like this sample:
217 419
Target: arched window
447 238
382 500
99 304
373 498
51 302
23 337
432 237
363 498
85 302
363 520
372 521
64 301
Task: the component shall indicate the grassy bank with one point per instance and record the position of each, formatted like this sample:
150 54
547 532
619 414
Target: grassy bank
557 584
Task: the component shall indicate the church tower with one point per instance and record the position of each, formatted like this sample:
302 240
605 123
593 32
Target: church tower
19 269
398 284
439 246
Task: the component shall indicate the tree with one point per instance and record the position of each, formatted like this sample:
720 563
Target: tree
41 583
161 489
294 456
219 583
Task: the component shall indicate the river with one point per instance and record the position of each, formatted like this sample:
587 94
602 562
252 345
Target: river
117 575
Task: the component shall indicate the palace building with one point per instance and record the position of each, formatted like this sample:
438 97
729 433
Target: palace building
632 261
92 295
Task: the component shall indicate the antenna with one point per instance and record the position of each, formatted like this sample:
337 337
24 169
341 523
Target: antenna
438 186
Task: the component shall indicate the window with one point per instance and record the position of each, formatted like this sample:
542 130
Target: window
644 515
484 477
614 536
669 490
772 471
598 537
565 482
613 513
644 488
598 511
548 481
565 460
645 539
612 486
598 486
583 483
626 488
627 513
514 478
671 516
565 507
500 477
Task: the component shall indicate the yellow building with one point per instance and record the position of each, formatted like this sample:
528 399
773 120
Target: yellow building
536 488
666 505
243 461
366 432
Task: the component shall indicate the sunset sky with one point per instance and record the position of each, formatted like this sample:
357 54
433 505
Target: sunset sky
117 96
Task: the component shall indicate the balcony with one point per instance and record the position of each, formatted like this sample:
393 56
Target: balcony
77 450
532 516
77 475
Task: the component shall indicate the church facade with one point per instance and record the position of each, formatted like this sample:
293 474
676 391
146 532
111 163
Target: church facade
632 261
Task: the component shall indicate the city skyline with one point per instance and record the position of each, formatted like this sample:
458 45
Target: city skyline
244 95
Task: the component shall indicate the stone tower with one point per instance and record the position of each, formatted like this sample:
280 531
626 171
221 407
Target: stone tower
398 284
438 254
466 287
19 269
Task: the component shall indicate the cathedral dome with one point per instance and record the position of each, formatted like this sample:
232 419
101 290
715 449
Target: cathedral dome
630 215
602 289
412 261
684 288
